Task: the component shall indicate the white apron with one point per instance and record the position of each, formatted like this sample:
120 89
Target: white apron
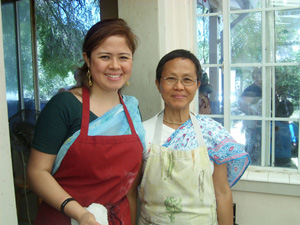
177 186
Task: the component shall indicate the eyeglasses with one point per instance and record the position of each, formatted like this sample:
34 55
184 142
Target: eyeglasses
186 81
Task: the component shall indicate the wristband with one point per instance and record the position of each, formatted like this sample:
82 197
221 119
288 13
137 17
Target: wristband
65 202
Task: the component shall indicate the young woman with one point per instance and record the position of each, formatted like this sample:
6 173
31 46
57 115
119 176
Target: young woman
191 161
88 146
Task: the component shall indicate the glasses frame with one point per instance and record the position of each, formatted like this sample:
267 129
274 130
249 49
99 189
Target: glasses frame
177 79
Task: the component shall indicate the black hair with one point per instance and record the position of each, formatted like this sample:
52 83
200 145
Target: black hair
178 53
284 109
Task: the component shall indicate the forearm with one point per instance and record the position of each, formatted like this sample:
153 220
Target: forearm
47 188
132 199
225 208
223 195
132 196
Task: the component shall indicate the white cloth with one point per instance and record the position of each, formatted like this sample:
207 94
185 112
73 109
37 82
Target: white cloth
99 211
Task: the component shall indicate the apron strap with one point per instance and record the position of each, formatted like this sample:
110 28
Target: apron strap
197 129
85 111
158 128
159 125
127 115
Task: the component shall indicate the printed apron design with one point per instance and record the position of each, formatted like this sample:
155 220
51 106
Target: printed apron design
97 169
177 186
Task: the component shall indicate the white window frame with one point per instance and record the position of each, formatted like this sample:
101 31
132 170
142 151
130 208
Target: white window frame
256 178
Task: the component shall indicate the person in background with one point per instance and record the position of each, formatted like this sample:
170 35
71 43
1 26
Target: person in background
88 142
250 103
285 132
204 90
190 161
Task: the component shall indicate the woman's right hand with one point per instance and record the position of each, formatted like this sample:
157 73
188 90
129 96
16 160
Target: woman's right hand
88 219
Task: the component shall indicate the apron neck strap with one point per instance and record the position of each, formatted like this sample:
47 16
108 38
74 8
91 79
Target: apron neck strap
197 129
127 114
159 126
86 112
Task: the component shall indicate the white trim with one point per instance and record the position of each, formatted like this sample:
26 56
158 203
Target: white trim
270 180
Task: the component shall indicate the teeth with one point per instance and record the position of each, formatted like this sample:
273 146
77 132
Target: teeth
113 76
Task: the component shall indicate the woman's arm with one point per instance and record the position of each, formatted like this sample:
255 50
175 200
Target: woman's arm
223 195
132 196
43 183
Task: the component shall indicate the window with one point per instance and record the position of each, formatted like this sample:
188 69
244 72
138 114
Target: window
250 54
18 56
41 59
37 66
61 27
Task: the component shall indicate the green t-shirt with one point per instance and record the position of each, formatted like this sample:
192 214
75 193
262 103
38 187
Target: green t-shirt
59 120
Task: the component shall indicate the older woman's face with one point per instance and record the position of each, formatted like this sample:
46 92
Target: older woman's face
178 96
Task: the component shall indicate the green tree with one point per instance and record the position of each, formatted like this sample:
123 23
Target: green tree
61 26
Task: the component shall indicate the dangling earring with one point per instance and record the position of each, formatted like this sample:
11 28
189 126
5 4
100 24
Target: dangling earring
127 84
88 74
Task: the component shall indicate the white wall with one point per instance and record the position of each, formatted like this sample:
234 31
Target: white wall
142 17
162 26
7 197
266 209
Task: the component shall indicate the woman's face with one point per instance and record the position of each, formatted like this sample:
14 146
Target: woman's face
177 96
110 64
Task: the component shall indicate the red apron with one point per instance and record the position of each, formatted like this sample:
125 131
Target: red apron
97 169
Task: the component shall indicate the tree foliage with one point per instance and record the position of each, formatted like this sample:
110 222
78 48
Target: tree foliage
61 26
246 30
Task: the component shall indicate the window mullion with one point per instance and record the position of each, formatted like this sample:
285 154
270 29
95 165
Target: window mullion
226 63
18 49
34 57
264 129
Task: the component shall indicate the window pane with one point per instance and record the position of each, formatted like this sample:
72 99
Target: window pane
252 132
246 91
26 53
204 6
237 131
245 4
280 3
287 86
248 133
209 39
211 92
286 146
10 58
61 27
287 28
246 38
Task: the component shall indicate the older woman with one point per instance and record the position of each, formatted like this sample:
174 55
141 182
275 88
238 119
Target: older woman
190 161
87 146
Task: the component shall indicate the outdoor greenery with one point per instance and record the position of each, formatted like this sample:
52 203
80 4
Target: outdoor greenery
61 27
246 47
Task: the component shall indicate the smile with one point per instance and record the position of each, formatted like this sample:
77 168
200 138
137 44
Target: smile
113 76
178 96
